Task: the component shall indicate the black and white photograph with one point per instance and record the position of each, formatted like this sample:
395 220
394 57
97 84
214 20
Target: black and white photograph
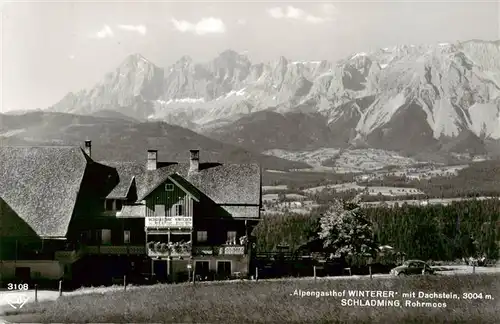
249 161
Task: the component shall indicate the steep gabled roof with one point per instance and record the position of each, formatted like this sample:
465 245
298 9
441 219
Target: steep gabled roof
149 180
179 182
185 185
126 173
225 184
41 185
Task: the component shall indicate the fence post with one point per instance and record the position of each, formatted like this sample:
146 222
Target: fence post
474 268
125 282
370 269
60 288
314 272
256 273
36 293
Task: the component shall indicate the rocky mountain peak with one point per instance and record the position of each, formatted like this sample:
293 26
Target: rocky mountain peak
444 88
183 62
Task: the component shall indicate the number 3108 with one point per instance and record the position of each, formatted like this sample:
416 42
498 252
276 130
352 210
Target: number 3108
12 286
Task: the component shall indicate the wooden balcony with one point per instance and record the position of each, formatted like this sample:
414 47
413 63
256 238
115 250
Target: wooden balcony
73 255
220 250
169 222
116 249
232 250
166 254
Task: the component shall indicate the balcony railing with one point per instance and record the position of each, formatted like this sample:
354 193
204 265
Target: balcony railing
232 250
204 250
115 249
169 222
162 249
165 254
220 250
70 256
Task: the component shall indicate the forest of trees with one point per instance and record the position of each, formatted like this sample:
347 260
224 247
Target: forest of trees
461 229
300 180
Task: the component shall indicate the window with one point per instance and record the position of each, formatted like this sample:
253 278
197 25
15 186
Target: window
169 187
119 205
109 204
224 268
85 236
201 236
106 236
201 267
231 237
126 237
160 210
179 210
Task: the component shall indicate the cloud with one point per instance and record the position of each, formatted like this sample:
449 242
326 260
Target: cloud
329 9
105 32
328 13
276 12
205 26
141 29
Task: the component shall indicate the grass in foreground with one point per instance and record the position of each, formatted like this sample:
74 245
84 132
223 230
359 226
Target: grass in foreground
273 301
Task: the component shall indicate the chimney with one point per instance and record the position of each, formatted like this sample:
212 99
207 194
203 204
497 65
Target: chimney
194 161
88 148
152 159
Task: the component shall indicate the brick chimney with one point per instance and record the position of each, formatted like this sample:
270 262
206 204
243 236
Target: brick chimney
194 160
152 159
88 148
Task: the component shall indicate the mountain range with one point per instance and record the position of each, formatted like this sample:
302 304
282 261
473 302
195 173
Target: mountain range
119 138
408 98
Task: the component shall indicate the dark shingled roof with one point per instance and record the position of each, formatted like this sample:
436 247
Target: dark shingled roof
243 211
41 185
126 173
133 211
225 184
180 181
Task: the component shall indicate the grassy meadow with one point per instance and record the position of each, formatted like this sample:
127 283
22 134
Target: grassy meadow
272 301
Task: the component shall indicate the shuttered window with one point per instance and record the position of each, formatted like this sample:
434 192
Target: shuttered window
106 236
231 237
119 205
126 237
201 236
179 210
160 210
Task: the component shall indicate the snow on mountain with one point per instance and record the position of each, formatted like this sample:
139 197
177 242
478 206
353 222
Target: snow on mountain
358 55
442 90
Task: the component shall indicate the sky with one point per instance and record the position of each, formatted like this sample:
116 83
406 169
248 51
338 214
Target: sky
51 48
